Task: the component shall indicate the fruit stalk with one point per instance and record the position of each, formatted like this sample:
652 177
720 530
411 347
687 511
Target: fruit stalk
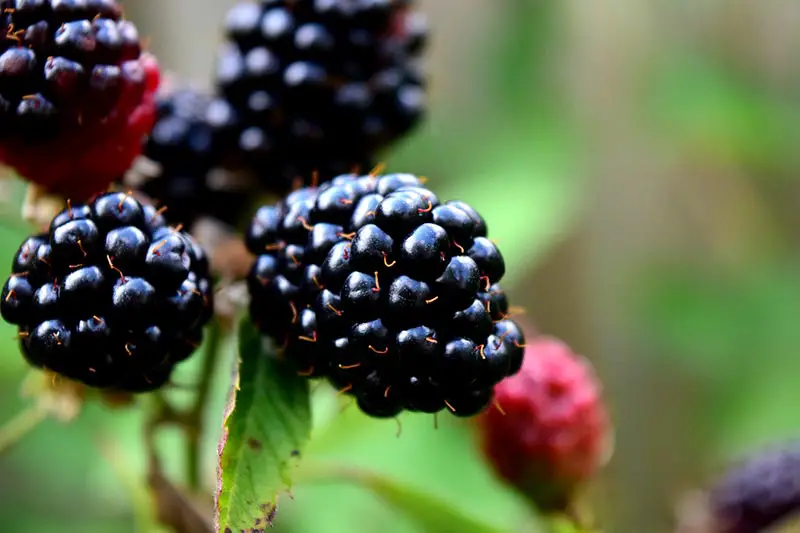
23 423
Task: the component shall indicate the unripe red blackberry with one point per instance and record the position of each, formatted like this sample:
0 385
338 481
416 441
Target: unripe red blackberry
109 296
321 86
370 281
185 152
550 431
76 93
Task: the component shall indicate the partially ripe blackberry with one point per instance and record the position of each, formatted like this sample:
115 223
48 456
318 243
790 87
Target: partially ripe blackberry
186 149
550 432
393 295
76 93
758 494
110 295
321 85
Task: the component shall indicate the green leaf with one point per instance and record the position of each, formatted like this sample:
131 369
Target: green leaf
267 425
431 513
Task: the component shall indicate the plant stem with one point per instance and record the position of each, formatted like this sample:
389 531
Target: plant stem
22 424
194 429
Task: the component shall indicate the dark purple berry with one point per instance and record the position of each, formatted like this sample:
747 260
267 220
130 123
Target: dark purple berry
309 82
760 494
191 141
61 69
360 284
95 302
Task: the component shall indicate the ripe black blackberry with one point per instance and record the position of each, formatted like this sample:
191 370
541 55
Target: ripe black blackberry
321 85
76 93
372 282
110 296
186 149
759 493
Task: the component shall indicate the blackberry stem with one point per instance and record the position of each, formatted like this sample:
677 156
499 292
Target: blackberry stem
195 427
20 425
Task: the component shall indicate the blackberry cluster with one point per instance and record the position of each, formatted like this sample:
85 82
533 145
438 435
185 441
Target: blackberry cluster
321 85
75 92
759 493
110 296
189 142
392 295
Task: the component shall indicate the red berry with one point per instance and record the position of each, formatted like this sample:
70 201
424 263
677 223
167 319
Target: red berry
549 432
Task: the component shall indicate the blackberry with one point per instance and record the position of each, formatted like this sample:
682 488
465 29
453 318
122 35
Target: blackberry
76 93
551 432
760 493
321 86
187 145
110 295
392 295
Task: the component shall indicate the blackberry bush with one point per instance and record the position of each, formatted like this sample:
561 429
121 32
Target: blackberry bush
186 150
392 295
321 86
109 296
76 93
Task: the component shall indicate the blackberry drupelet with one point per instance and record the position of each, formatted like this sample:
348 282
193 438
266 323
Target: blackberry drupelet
372 282
110 296
760 493
76 93
188 144
322 86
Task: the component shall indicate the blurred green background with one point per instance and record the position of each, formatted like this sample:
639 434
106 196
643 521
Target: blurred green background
637 161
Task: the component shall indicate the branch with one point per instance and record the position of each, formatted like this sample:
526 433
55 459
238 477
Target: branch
22 424
173 507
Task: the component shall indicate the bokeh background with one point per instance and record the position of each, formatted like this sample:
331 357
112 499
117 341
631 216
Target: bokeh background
638 163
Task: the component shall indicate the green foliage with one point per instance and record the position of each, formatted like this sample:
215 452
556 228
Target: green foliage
739 334
721 115
427 511
266 430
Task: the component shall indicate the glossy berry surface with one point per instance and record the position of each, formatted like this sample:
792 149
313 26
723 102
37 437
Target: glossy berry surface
372 282
758 494
109 296
76 93
187 148
550 431
321 86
